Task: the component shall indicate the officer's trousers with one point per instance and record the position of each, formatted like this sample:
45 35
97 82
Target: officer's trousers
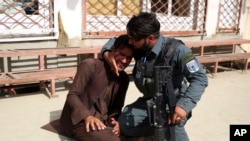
134 121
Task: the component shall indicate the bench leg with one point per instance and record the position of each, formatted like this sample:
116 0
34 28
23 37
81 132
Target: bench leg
207 70
245 65
53 88
44 88
11 91
216 67
49 89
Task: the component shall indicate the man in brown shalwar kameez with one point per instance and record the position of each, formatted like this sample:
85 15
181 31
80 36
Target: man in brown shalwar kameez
96 97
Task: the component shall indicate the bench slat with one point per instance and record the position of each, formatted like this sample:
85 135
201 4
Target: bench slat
222 42
42 75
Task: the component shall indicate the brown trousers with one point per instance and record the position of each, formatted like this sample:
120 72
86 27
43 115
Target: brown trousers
80 134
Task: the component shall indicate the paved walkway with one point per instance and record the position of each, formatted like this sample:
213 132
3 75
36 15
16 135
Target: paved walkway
225 102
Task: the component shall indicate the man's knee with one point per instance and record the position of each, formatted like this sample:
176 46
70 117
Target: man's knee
80 134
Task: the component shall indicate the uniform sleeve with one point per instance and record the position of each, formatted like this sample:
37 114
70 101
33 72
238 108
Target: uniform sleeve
107 46
196 77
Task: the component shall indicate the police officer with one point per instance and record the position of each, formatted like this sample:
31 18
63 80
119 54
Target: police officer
144 34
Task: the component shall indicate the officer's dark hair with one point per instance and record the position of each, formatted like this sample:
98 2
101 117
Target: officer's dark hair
122 41
142 25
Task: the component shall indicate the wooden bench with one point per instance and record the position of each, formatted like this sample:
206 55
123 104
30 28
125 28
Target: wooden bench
10 80
216 43
43 52
216 57
15 79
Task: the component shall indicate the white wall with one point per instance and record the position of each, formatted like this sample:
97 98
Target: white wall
71 13
212 15
246 34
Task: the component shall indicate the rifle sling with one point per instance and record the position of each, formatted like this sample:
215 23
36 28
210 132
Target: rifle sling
168 53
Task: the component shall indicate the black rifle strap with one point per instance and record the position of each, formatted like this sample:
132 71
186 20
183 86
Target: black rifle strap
169 50
171 99
167 53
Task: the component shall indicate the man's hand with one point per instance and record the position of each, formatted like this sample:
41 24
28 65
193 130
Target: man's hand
93 123
178 116
116 127
109 57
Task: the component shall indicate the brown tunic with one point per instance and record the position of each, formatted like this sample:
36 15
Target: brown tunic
95 91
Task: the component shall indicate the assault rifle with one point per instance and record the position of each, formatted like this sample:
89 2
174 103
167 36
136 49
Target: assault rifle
162 104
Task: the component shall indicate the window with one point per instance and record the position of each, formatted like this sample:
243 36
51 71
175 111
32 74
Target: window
175 7
26 18
159 6
181 7
104 7
174 15
229 16
113 7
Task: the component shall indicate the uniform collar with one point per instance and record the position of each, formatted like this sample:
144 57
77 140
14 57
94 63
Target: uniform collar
158 46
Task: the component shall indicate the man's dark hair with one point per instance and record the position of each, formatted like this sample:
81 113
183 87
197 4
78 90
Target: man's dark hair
142 25
122 41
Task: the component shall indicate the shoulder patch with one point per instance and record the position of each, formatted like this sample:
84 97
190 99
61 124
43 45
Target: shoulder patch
192 66
187 57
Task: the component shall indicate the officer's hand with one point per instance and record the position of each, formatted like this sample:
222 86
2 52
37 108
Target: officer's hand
178 116
116 126
109 57
93 123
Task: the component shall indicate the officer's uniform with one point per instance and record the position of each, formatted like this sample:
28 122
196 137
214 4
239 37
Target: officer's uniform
134 119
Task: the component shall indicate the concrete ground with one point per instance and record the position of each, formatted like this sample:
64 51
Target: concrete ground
225 102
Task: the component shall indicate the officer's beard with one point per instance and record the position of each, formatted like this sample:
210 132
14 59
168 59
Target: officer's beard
145 47
143 50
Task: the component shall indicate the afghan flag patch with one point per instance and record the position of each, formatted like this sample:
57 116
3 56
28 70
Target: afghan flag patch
192 66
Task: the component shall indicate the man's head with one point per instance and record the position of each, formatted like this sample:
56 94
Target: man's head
143 30
123 52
